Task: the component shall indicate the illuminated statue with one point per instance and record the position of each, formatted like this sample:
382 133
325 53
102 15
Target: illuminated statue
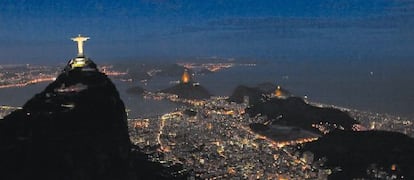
80 61
80 39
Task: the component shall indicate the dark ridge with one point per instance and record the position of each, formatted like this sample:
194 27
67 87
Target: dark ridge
293 111
188 91
267 87
256 94
357 151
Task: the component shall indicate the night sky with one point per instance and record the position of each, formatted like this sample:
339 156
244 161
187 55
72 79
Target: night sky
366 30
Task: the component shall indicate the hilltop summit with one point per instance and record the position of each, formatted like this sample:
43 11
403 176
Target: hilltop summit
187 89
75 129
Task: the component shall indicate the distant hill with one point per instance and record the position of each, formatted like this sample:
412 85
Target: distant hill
293 111
256 94
357 151
267 87
188 91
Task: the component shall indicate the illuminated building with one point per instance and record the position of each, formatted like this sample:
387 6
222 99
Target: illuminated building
278 92
185 78
393 167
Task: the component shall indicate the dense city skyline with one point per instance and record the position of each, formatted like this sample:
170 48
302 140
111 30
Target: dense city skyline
369 30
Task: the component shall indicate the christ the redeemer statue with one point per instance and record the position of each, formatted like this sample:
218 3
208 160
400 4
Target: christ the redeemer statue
80 39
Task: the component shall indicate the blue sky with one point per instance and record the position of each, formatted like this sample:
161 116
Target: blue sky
367 30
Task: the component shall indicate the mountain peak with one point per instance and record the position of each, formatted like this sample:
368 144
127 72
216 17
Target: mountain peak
75 129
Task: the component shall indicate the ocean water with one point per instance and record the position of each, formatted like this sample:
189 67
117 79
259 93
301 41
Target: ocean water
17 96
140 107
383 87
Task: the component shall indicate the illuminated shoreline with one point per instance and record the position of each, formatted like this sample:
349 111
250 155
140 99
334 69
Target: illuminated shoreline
31 82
